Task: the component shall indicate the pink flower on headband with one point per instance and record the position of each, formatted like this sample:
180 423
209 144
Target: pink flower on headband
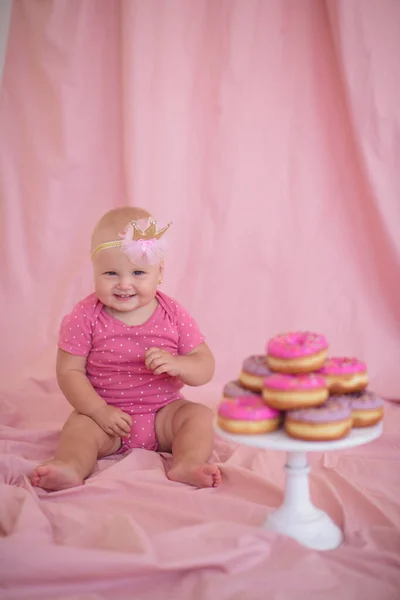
144 245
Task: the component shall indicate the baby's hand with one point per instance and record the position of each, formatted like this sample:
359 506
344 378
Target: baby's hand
113 420
161 361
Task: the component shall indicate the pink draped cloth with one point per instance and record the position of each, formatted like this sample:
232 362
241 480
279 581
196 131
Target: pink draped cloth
268 132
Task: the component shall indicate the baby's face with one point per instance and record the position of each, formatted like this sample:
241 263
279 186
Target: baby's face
122 286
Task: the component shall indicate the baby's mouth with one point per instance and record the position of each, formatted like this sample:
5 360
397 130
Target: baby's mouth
124 297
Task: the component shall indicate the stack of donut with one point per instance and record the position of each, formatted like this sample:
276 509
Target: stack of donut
296 384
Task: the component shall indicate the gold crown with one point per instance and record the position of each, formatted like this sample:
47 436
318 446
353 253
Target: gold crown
150 233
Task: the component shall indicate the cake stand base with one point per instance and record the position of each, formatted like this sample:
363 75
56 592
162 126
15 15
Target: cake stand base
297 517
313 529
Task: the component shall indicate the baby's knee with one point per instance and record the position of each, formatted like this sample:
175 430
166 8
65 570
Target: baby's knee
78 420
82 425
198 412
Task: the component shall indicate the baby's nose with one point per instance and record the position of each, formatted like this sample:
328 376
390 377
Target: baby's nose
125 284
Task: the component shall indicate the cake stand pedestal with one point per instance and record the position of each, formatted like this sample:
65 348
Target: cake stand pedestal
297 516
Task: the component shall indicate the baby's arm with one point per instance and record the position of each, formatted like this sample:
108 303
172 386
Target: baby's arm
76 387
194 363
195 368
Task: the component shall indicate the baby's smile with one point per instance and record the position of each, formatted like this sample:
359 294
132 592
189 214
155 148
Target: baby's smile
123 297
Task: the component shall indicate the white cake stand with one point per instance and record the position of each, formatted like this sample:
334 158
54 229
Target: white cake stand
297 517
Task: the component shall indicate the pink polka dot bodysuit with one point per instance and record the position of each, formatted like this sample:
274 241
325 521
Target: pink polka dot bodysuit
115 359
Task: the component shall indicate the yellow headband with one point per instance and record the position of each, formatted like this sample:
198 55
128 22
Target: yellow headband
101 247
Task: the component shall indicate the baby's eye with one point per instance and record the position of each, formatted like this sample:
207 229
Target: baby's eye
111 273
137 273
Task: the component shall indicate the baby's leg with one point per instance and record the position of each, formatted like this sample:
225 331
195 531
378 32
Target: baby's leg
186 429
82 442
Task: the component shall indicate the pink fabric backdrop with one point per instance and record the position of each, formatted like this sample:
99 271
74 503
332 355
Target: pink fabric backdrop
268 131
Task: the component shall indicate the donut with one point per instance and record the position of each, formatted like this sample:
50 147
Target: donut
287 392
331 421
366 408
297 352
233 389
254 370
344 375
247 415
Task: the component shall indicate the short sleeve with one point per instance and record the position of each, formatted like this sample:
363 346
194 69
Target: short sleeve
76 331
190 336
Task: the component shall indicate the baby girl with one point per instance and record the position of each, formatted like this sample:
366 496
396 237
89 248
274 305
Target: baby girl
125 352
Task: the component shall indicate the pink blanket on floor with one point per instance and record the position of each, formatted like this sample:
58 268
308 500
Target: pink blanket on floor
129 532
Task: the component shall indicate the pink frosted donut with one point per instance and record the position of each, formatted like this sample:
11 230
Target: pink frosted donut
366 408
331 421
344 375
246 414
297 352
286 392
254 370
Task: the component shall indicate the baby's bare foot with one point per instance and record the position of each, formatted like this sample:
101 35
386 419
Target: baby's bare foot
199 475
55 475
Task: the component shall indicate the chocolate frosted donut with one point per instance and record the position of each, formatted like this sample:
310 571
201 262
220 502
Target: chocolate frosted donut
366 408
254 370
233 389
331 421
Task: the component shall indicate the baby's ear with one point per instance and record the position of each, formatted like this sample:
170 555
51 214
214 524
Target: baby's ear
161 272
